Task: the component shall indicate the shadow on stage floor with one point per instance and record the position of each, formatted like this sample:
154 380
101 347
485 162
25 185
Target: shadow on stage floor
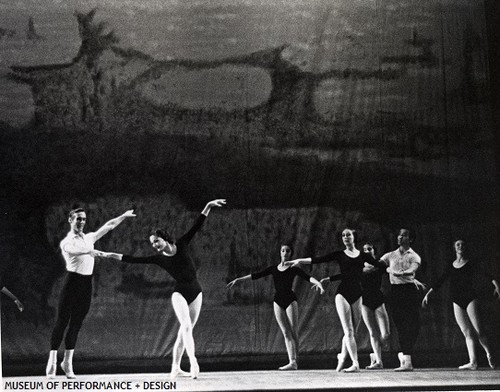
255 374
271 380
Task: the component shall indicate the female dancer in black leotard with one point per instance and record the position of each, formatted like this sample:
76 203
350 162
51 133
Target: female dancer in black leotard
373 309
462 274
285 300
348 297
174 257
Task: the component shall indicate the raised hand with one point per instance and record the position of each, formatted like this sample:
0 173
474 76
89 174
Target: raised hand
291 263
232 283
216 203
318 287
419 285
129 214
20 306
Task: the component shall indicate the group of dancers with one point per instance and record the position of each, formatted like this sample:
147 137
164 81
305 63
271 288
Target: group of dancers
358 295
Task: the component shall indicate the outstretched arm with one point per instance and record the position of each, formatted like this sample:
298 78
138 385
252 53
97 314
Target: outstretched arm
409 271
297 262
111 224
234 281
108 255
18 303
332 278
213 203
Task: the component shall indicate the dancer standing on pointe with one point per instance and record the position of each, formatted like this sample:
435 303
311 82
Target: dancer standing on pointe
285 300
462 274
348 297
402 264
174 257
78 251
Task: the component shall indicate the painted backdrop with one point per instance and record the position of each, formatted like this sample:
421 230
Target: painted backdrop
307 116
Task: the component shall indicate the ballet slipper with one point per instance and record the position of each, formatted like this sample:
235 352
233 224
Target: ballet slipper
67 368
291 366
354 368
341 362
468 366
406 365
195 369
491 362
178 372
51 368
375 366
67 363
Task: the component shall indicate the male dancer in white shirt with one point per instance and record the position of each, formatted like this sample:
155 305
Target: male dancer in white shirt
405 299
78 251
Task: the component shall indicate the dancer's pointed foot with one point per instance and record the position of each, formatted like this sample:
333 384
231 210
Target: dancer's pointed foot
291 366
375 366
354 368
341 362
178 372
195 370
491 362
51 369
468 366
68 369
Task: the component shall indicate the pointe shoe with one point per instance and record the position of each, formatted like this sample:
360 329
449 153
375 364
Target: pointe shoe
375 366
51 369
468 366
68 369
178 372
291 366
354 368
340 363
491 362
373 363
195 370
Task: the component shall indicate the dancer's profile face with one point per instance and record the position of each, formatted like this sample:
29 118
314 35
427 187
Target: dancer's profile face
347 237
460 247
285 252
404 237
367 248
77 221
158 243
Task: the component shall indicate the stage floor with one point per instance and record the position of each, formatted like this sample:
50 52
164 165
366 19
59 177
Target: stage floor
319 380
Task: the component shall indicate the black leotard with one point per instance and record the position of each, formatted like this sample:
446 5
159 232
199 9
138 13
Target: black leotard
180 266
461 283
283 281
351 269
371 281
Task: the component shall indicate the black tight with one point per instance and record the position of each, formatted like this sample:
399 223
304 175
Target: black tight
74 305
405 302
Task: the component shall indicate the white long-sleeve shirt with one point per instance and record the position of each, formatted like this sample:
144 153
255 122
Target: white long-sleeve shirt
72 246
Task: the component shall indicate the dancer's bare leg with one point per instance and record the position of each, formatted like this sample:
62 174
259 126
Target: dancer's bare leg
288 320
349 317
468 331
187 316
